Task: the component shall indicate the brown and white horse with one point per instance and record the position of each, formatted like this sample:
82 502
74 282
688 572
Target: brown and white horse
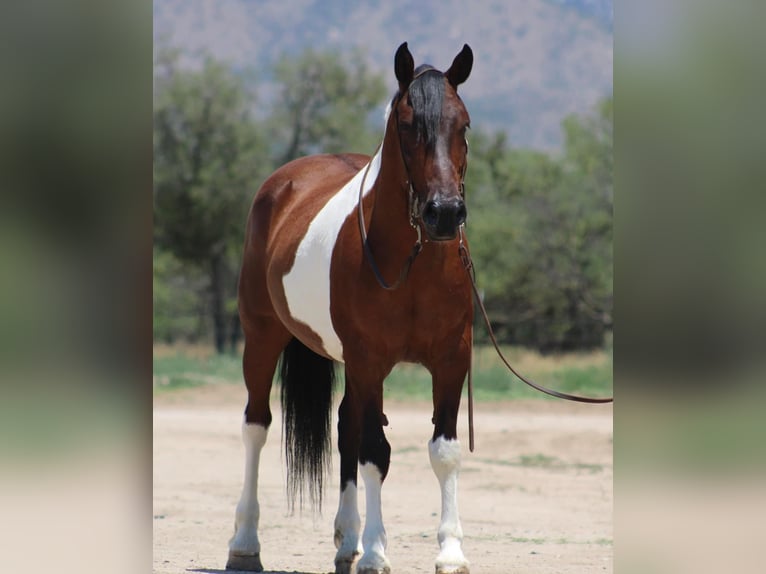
308 292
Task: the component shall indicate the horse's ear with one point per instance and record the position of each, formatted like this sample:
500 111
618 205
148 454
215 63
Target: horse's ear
461 67
404 67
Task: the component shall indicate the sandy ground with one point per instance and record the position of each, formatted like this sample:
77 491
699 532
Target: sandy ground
535 496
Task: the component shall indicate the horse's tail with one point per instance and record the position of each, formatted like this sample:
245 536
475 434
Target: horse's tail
307 387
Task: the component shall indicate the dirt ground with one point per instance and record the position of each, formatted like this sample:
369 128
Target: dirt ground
535 496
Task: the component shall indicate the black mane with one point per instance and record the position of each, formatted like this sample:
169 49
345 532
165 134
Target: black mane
426 96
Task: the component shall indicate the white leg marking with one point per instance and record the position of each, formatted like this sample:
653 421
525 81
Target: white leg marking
374 536
245 540
347 526
445 460
314 256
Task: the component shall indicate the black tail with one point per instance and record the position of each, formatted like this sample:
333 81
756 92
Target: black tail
307 386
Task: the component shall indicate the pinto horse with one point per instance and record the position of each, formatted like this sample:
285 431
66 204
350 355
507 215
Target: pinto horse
312 291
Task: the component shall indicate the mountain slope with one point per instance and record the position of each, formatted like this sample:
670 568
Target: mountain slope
536 60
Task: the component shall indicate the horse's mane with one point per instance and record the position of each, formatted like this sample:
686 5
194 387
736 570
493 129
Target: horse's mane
426 96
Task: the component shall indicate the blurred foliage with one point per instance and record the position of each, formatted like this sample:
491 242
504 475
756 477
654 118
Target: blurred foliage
540 226
541 235
324 104
208 158
178 295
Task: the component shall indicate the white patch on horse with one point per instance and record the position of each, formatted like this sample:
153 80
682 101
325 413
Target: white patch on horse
374 538
245 540
307 284
347 526
445 461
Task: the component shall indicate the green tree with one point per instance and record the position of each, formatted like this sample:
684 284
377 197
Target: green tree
179 295
541 234
589 179
210 157
324 105
208 162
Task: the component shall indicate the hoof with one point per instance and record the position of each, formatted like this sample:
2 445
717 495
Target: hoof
346 565
373 563
246 562
451 560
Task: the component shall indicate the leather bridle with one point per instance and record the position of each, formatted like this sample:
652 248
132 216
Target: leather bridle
413 203
416 248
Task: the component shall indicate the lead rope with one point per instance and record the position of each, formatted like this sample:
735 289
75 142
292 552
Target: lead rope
470 396
465 257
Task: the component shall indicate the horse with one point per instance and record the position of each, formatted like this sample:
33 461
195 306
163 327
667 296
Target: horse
324 235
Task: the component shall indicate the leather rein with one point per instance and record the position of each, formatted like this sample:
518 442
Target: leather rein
465 258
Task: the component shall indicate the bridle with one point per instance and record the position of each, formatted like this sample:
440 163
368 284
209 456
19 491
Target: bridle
416 248
465 258
413 202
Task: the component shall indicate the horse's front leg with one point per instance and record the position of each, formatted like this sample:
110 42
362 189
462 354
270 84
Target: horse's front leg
374 459
364 390
347 522
444 453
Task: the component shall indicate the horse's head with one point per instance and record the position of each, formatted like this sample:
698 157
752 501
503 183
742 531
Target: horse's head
432 121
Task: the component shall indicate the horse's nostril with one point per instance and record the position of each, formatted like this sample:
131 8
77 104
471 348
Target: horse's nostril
431 213
461 214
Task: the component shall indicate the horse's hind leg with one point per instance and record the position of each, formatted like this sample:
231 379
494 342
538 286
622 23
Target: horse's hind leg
444 453
264 341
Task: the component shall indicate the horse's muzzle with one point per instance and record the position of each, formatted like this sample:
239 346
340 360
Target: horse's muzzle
442 219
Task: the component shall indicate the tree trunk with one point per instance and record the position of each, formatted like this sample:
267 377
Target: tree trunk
236 332
218 298
295 142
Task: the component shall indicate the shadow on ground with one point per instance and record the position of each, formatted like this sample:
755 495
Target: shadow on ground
218 571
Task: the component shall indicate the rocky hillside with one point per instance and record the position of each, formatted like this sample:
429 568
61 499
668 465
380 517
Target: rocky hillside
536 60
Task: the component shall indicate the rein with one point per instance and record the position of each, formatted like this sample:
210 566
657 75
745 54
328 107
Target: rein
465 257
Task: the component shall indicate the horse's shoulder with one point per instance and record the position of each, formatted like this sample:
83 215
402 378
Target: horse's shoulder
298 190
340 164
316 171
354 161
